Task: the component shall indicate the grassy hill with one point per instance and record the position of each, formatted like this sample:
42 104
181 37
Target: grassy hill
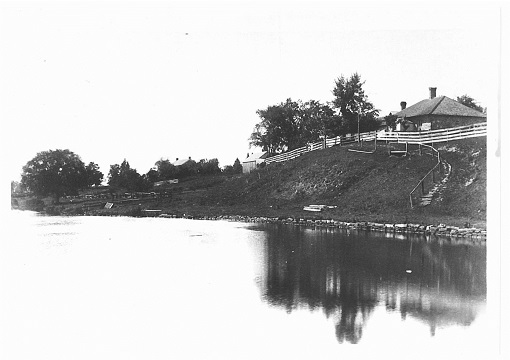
363 187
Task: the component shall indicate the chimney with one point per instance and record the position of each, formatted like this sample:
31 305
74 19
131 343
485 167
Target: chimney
432 92
189 157
403 105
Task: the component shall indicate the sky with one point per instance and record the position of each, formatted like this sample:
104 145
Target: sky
146 80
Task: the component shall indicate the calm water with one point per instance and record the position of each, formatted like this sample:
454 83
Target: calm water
125 288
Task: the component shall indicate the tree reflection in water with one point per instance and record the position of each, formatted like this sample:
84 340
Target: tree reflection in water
348 274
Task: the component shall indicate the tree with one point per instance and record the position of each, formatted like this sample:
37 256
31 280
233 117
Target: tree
316 121
278 130
237 168
208 167
189 168
292 124
54 172
353 104
151 176
94 176
165 169
470 102
124 177
391 121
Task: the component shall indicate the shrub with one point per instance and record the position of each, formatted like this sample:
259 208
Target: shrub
53 210
34 204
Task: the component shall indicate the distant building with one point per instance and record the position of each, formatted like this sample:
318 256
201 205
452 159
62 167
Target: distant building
436 113
252 161
180 162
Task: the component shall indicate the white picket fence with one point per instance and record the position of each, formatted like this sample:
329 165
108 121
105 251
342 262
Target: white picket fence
416 137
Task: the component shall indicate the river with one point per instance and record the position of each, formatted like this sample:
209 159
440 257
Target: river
153 288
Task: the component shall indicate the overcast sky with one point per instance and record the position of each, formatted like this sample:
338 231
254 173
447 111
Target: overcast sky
148 80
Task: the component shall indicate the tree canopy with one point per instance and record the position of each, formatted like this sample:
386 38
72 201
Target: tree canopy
54 172
124 177
470 102
292 124
165 170
94 176
351 101
237 167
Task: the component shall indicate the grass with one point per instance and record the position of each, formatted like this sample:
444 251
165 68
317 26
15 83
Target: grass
364 187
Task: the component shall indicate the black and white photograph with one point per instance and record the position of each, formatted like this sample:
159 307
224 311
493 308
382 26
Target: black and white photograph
253 180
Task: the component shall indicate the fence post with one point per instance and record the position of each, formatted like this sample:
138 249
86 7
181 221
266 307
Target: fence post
411 199
423 187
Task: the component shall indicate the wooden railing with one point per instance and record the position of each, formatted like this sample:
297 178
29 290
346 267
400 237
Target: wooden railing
435 136
339 140
416 137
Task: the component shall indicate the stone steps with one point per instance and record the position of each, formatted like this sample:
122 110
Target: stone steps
433 193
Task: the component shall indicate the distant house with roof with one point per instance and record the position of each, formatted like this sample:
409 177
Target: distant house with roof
180 162
436 113
252 161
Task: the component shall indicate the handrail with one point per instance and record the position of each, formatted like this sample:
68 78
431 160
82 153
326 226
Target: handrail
430 171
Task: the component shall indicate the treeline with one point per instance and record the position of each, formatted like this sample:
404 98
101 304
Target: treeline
123 176
292 124
63 173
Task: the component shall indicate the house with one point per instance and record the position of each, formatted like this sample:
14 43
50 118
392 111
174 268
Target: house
178 162
252 161
436 113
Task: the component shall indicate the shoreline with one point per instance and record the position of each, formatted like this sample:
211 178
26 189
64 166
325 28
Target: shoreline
430 231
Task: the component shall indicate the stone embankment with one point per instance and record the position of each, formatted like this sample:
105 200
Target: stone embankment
440 230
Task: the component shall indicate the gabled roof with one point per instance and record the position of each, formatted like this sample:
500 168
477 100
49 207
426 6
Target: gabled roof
255 156
441 105
180 162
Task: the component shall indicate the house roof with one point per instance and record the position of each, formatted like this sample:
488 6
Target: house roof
441 105
180 162
255 156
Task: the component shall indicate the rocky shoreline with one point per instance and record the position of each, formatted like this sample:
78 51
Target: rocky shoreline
441 230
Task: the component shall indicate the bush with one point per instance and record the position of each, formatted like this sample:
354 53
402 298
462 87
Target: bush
34 204
53 210
135 212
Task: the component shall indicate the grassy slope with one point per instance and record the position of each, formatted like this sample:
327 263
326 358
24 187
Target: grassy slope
371 187
364 187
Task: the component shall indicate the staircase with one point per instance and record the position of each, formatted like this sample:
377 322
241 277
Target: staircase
438 188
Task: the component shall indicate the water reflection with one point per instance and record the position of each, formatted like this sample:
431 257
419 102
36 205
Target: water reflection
348 274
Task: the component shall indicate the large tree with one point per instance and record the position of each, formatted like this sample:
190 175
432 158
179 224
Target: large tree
470 102
292 124
317 120
278 128
94 176
124 177
54 172
208 167
237 168
353 105
165 169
